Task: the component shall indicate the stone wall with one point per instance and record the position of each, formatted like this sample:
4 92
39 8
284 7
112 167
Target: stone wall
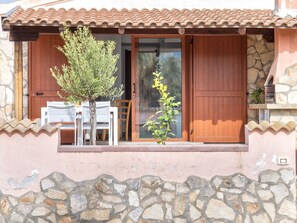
7 85
6 77
260 55
285 95
7 81
286 87
226 199
25 80
285 115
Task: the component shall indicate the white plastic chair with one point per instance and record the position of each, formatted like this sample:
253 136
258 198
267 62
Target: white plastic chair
103 117
62 112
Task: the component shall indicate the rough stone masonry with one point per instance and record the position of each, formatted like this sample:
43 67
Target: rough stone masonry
150 199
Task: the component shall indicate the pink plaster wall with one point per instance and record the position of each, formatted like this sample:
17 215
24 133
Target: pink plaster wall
19 156
286 4
285 52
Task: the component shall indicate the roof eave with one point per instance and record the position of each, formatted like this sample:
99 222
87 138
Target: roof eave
6 25
4 18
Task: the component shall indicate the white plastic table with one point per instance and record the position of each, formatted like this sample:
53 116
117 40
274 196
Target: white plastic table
114 116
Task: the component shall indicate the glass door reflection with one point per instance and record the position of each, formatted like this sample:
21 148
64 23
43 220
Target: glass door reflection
151 54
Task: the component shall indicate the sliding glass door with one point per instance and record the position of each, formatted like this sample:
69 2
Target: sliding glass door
150 55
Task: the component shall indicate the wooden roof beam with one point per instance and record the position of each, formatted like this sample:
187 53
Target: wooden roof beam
31 33
22 36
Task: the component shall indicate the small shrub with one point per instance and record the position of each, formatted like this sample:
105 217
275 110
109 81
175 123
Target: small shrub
159 123
256 96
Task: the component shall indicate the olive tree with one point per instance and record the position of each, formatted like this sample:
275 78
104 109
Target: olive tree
90 72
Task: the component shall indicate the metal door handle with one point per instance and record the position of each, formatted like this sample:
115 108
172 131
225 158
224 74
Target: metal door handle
134 88
39 93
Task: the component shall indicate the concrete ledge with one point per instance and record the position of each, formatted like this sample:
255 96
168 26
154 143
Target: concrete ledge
273 106
135 147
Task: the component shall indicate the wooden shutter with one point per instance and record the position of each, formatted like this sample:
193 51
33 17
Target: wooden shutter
219 91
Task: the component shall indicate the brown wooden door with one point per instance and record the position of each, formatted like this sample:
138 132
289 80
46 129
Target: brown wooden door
219 91
42 85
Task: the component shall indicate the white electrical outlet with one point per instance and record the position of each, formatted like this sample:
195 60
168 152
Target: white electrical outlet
283 161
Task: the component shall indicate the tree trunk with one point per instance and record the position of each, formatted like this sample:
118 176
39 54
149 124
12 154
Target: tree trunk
93 121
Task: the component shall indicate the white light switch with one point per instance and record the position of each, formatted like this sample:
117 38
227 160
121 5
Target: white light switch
283 161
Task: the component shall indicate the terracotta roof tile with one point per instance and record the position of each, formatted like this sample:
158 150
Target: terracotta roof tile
154 18
25 125
276 126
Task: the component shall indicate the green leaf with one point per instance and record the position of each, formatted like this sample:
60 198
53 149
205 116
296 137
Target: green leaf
91 67
160 126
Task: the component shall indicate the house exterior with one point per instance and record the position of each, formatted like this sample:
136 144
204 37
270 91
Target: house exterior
219 56
213 56
213 59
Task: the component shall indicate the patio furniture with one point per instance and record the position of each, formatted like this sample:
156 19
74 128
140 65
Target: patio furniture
62 112
78 109
124 108
103 117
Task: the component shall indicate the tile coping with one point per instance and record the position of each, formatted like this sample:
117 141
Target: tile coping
149 147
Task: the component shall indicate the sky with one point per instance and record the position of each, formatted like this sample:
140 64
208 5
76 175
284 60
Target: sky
7 1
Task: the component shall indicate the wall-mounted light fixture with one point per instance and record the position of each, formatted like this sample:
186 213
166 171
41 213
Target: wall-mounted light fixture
242 31
181 31
61 29
121 31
